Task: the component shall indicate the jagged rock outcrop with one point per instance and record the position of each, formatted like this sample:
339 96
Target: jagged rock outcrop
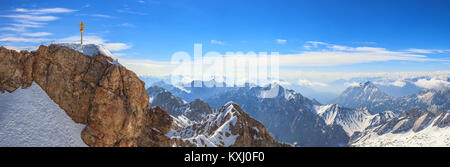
107 97
230 126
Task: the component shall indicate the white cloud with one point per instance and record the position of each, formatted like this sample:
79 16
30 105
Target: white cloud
281 41
426 51
397 83
21 39
432 83
332 58
31 17
102 15
129 11
316 44
307 47
95 15
149 67
217 42
307 83
37 34
19 48
352 84
127 25
45 10
26 18
388 76
282 83
116 46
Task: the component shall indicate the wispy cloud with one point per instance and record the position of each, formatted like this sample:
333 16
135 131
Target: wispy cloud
332 55
95 15
45 10
217 42
126 25
129 11
19 48
31 17
426 51
307 83
397 83
432 83
315 44
37 34
117 46
21 39
281 41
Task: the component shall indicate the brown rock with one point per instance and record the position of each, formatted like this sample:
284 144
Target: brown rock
108 98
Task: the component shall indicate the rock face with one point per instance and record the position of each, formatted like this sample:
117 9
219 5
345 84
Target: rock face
108 98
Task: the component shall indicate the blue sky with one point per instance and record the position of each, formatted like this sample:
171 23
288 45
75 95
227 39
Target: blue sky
388 36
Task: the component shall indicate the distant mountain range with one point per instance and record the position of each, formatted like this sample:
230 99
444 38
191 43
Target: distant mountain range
293 118
367 95
110 106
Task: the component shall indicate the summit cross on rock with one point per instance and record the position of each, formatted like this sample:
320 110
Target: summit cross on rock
81 30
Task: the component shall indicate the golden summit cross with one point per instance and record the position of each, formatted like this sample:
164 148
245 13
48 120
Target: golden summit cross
81 30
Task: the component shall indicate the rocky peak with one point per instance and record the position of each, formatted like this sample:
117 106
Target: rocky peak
229 126
91 89
198 110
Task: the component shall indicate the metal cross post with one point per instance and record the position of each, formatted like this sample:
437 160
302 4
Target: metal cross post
81 30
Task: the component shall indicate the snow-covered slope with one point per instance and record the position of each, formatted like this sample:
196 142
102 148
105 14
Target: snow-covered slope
413 128
351 120
429 137
90 50
28 117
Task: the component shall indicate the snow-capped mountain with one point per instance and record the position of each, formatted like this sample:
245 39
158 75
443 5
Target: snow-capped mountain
288 115
28 117
413 128
230 126
195 89
351 120
197 124
367 95
196 110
